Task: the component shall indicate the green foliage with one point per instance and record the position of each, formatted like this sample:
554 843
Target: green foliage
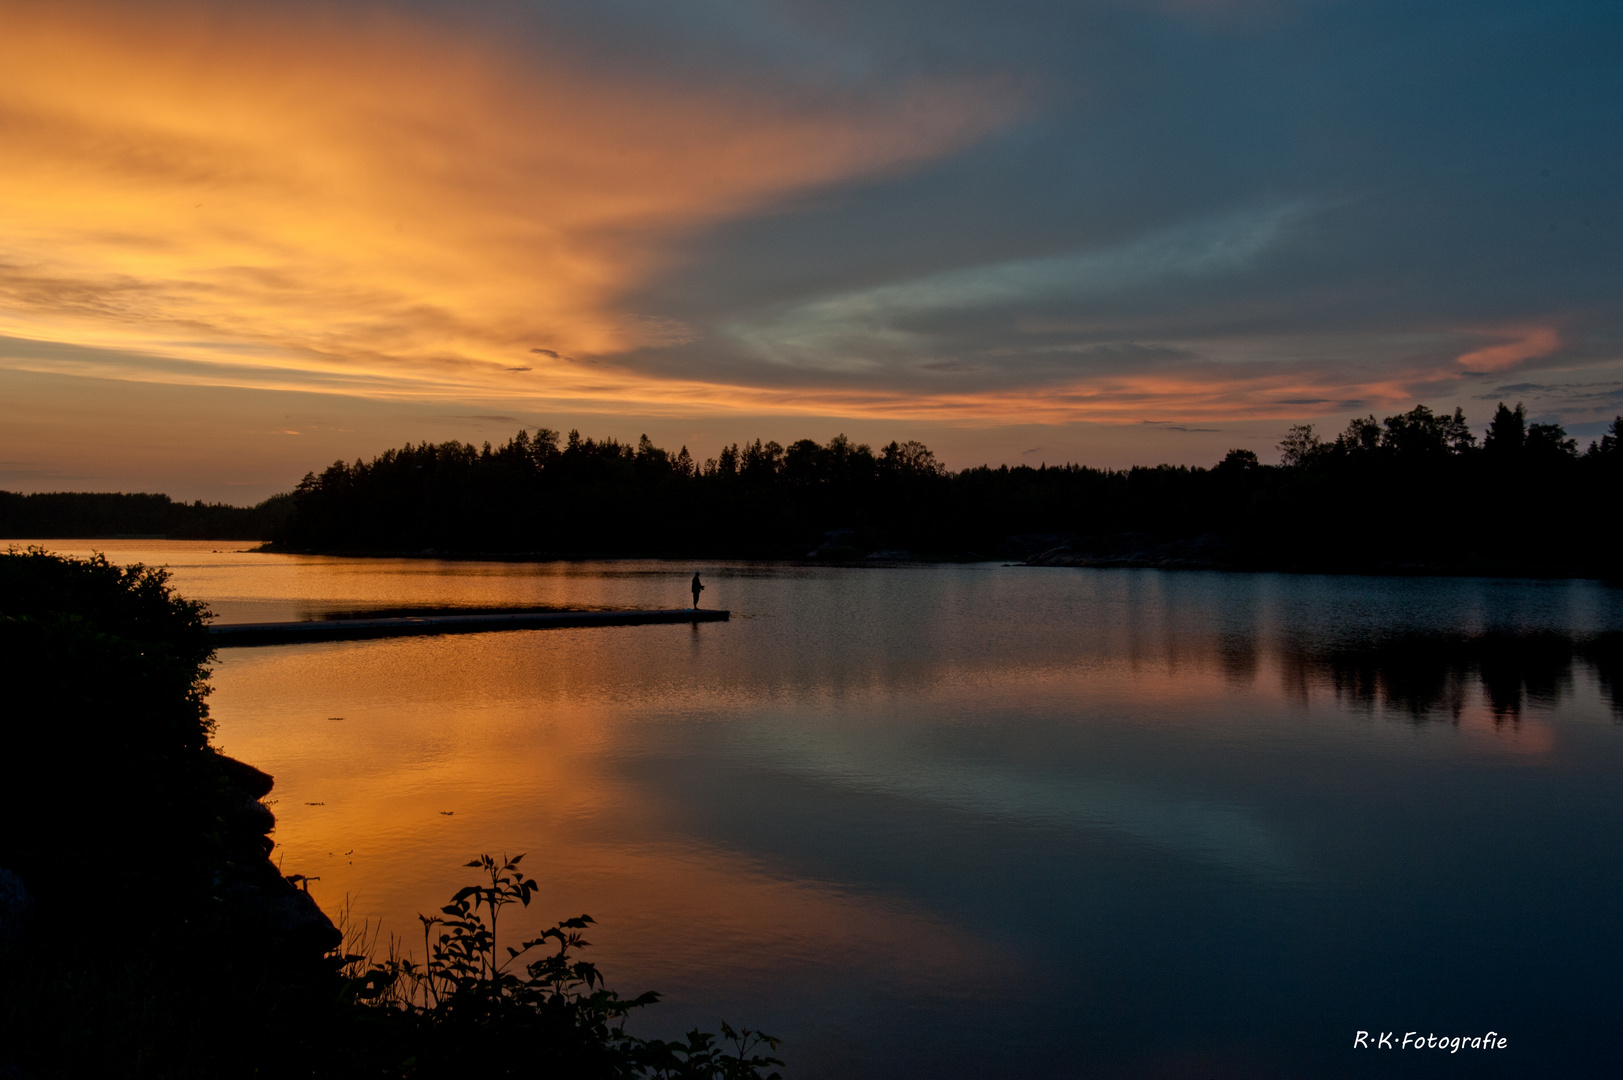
531 1009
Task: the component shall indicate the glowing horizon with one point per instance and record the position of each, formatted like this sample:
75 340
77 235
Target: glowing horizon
755 220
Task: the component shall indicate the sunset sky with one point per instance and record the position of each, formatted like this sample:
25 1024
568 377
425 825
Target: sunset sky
240 240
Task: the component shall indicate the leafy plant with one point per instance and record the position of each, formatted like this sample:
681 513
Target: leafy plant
548 1013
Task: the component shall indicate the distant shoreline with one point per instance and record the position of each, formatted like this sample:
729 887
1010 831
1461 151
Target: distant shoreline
1094 553
1064 555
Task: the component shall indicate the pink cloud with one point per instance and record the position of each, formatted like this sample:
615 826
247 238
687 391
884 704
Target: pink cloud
1530 341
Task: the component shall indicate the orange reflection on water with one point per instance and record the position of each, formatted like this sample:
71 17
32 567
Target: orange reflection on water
431 751
606 756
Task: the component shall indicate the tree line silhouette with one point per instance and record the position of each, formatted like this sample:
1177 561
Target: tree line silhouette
65 514
1415 491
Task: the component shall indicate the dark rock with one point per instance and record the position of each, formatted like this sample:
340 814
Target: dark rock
259 902
277 911
253 782
257 818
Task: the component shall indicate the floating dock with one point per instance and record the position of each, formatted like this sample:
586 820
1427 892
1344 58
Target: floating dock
238 635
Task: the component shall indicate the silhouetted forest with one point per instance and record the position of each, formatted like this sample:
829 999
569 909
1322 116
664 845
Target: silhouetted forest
85 514
1418 491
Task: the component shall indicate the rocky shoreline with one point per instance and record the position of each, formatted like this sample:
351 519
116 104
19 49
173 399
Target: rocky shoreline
257 902
260 900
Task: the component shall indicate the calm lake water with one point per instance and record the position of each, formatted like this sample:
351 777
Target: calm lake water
977 821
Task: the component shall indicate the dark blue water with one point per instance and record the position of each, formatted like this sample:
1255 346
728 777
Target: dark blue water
989 821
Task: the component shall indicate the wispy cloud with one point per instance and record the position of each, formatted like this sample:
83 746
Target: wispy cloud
382 196
1526 343
862 329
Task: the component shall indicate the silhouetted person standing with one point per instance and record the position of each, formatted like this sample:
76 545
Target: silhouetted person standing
698 588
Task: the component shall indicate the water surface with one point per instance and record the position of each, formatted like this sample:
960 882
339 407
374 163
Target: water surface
960 821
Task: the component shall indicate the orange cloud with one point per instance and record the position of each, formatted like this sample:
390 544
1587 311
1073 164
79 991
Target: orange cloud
1529 342
381 202
290 197
1201 391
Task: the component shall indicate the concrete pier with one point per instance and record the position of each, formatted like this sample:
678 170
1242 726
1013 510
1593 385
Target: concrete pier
238 635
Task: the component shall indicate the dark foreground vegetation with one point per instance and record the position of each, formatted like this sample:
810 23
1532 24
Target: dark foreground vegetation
1416 492
67 514
144 932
